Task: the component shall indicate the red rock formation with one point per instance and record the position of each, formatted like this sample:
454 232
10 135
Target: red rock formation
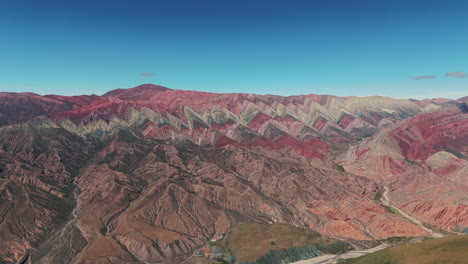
151 174
413 158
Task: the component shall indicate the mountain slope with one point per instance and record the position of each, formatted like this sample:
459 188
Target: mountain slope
424 162
151 174
443 250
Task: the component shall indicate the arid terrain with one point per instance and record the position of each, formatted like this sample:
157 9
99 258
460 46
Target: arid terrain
155 175
443 250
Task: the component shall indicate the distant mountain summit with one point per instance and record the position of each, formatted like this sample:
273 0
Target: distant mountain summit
463 99
140 92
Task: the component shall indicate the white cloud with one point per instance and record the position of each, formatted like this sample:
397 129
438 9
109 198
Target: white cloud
422 77
147 74
458 74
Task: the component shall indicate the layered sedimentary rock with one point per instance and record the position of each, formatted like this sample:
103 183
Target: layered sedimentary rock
424 161
151 174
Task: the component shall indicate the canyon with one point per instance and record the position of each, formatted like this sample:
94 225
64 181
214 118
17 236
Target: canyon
155 175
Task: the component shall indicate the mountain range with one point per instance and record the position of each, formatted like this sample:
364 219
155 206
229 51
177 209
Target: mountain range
155 175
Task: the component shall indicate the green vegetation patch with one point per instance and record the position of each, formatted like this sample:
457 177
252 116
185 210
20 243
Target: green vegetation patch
452 249
397 239
456 153
391 209
263 243
412 163
378 196
339 168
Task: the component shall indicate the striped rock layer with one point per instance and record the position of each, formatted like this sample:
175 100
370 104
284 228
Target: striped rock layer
151 175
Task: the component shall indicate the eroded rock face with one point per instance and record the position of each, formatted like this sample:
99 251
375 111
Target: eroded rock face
424 161
177 198
152 175
38 161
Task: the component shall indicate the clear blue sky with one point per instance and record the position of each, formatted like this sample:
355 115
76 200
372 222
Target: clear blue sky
271 46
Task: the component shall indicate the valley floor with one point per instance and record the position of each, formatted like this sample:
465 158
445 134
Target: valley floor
330 259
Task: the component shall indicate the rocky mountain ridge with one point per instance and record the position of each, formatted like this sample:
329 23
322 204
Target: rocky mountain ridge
151 175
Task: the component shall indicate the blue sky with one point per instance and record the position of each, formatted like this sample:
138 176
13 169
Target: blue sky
261 46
